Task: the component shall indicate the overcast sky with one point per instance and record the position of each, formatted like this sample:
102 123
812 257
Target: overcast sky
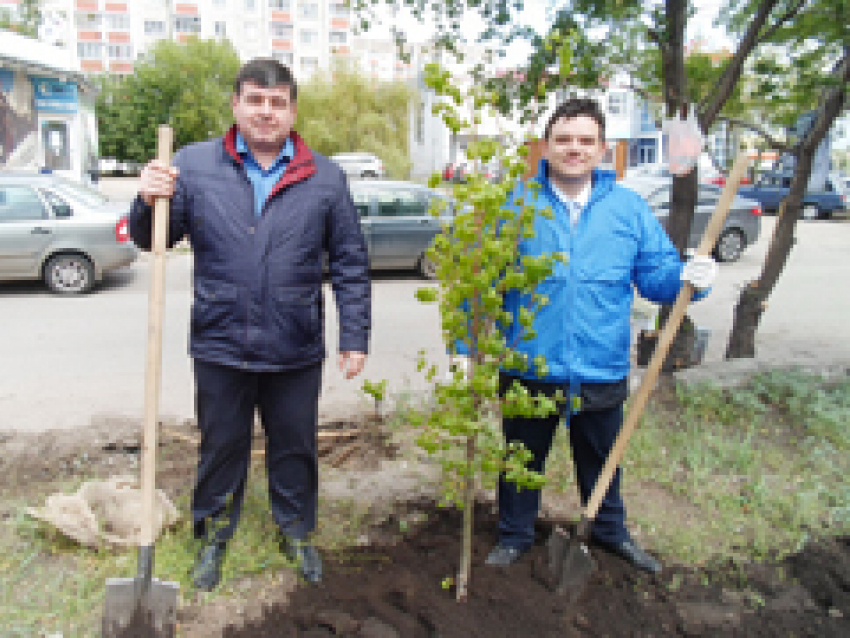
534 14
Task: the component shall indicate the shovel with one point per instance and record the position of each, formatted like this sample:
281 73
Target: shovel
145 606
568 564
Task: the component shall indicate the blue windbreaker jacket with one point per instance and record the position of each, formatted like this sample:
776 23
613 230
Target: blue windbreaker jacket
258 302
584 331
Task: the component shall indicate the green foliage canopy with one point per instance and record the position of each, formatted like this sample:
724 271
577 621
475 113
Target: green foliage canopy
343 111
187 86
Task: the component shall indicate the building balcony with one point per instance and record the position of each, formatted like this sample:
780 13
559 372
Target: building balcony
121 67
91 66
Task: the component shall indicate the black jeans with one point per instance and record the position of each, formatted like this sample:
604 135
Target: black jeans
592 432
288 405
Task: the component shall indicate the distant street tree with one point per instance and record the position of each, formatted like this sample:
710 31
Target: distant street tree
187 86
344 111
24 20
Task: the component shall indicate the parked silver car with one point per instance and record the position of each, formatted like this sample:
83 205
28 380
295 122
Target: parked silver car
742 227
397 223
60 231
359 165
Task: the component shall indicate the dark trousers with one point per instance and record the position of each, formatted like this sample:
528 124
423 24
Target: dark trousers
226 401
592 435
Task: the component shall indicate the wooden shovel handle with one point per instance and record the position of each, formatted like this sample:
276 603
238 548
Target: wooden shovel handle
153 370
665 339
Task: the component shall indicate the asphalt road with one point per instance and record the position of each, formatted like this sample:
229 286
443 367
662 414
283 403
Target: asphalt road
69 361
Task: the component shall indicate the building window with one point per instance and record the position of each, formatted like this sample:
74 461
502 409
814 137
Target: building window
281 29
89 50
117 21
154 27
337 37
339 10
279 5
617 103
309 36
87 20
250 5
221 4
284 57
308 10
187 24
220 29
251 31
309 65
119 51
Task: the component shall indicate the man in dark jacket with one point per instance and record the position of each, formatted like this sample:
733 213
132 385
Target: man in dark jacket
260 210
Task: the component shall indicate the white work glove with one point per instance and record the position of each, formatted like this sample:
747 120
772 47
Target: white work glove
700 271
461 363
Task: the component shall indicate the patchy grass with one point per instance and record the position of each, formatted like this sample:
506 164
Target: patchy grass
50 584
711 474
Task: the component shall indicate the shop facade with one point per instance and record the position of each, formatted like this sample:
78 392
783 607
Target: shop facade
47 116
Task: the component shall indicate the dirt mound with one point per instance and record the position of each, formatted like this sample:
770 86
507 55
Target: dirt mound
402 589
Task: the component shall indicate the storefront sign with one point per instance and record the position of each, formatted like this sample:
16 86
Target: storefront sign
54 96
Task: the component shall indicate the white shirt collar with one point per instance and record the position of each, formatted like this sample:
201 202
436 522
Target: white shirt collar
581 199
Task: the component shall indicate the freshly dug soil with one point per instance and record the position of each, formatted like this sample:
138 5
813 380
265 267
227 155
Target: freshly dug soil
397 590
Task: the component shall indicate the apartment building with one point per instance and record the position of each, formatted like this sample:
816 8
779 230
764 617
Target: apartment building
108 36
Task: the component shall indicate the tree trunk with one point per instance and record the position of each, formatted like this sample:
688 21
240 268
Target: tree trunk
684 189
753 300
468 514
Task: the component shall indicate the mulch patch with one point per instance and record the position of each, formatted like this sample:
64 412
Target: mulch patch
397 590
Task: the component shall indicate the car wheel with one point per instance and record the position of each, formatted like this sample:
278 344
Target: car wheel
730 245
369 175
810 211
69 274
426 267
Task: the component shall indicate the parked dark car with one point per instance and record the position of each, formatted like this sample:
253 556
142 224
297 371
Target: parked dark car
742 227
772 188
397 223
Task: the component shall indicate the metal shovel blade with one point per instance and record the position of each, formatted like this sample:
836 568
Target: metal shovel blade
567 565
140 606
132 614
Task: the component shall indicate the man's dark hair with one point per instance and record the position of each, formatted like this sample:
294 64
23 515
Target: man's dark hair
266 72
575 107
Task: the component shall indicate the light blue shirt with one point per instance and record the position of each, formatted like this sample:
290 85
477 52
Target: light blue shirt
262 180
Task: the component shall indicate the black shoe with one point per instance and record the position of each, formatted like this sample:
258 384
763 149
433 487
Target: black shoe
634 554
207 571
305 556
502 555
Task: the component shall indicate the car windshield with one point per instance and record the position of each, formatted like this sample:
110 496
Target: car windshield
75 190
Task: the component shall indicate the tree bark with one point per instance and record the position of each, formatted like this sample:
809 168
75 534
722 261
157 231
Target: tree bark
753 300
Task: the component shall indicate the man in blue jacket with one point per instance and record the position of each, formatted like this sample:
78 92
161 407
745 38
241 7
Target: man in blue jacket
613 242
260 210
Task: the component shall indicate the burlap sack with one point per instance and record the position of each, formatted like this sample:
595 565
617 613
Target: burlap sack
105 513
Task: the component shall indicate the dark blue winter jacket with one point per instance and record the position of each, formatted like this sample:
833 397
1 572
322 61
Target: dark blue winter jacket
258 302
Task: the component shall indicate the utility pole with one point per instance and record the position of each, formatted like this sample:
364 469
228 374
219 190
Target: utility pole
169 20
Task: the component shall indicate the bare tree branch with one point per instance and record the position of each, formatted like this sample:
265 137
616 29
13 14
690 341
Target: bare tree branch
732 73
772 141
792 11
